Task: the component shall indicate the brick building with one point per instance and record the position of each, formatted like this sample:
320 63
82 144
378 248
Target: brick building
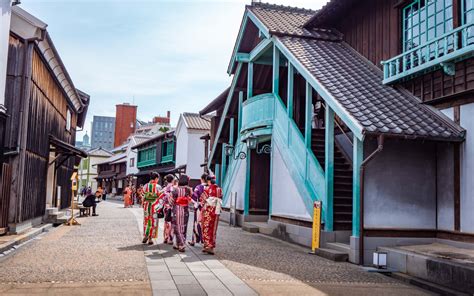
125 122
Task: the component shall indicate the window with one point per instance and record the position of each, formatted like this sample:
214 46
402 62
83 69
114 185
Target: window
68 120
132 162
424 20
468 18
167 152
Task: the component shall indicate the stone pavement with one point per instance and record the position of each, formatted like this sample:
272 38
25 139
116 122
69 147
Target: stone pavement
189 273
101 256
105 256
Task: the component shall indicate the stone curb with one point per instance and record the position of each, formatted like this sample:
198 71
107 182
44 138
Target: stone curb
24 238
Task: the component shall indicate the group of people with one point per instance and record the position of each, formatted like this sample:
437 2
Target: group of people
132 195
172 202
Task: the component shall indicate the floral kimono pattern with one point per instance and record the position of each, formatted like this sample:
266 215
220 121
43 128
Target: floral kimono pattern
212 200
152 204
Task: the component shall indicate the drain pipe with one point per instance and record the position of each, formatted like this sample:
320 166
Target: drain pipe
380 141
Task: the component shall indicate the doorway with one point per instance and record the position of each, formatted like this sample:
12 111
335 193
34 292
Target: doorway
259 194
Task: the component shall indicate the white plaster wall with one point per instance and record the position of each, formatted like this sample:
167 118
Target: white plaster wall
467 169
239 185
286 199
181 144
195 154
400 186
132 154
5 16
445 186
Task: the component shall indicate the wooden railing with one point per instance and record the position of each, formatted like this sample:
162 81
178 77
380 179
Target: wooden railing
450 47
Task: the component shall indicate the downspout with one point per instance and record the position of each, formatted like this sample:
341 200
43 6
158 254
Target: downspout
380 142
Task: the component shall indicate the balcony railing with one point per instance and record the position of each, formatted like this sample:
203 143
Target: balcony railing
450 47
257 112
167 159
145 163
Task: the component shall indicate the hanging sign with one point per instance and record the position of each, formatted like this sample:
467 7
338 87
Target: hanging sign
316 225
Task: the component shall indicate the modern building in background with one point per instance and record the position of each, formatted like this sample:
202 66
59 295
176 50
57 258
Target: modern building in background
157 125
84 144
103 129
125 122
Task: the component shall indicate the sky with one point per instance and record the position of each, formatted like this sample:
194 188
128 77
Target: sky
157 54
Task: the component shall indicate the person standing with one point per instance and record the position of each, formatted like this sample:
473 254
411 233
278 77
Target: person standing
127 196
181 197
151 205
197 227
212 200
168 229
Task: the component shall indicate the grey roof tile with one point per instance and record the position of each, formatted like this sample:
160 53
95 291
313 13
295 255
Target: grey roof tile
196 121
357 86
285 20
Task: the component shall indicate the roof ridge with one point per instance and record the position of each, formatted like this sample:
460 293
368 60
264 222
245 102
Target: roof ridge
280 6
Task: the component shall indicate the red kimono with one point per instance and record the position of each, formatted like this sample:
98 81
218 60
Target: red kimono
212 201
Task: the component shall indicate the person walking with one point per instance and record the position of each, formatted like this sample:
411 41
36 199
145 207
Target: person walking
168 229
151 206
212 200
180 199
197 227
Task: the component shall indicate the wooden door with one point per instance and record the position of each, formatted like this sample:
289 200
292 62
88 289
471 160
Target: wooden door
259 194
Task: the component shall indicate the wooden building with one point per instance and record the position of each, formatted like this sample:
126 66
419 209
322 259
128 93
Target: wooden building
158 155
365 106
44 110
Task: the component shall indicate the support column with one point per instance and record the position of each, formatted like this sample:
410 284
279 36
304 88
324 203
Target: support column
250 80
328 204
224 164
239 120
231 131
276 70
357 158
247 185
308 112
217 173
291 83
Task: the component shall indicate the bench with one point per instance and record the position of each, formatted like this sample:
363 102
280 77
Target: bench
84 211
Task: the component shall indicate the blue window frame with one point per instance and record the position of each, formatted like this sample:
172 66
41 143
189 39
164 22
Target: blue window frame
424 20
167 151
467 7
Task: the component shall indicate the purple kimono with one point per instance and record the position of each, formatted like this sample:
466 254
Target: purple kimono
197 227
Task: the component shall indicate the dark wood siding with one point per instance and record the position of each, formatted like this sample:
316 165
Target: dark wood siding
373 28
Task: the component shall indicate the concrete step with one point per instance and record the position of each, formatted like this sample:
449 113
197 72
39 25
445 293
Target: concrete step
332 254
246 226
343 248
51 211
453 269
432 287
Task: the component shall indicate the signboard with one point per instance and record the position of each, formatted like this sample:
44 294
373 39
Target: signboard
316 225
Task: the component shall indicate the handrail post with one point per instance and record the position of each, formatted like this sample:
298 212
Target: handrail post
328 204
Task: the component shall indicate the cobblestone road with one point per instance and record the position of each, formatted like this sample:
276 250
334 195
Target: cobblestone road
104 256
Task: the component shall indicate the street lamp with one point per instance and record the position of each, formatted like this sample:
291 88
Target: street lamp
252 141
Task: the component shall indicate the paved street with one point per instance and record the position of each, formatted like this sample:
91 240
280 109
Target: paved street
104 256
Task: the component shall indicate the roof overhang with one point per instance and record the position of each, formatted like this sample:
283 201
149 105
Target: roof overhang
28 27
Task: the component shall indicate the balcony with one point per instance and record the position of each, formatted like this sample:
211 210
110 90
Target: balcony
146 162
167 159
440 52
257 114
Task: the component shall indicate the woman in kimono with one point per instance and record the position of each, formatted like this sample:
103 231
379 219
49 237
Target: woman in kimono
197 228
212 200
152 205
168 229
127 197
181 197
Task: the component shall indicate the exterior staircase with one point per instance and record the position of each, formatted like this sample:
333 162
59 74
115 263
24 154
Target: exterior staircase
54 216
342 180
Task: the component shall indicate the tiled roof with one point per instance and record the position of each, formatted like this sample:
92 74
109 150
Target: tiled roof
114 159
357 85
99 152
330 11
196 121
284 20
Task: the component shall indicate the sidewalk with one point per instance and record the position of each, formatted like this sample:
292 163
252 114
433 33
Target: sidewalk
189 273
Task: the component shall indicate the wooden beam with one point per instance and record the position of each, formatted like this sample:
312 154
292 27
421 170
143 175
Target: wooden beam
224 163
291 84
357 158
276 70
328 203
250 80
231 131
308 114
